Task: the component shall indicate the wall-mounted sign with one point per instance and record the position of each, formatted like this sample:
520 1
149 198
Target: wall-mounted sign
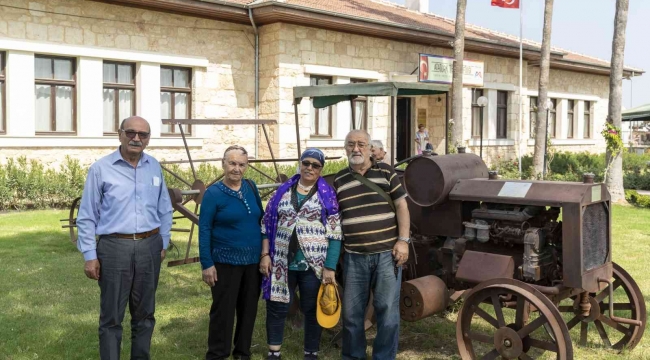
439 69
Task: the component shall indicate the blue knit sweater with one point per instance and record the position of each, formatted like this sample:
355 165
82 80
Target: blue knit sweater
228 234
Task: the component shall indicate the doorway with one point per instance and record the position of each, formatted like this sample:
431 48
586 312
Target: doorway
403 129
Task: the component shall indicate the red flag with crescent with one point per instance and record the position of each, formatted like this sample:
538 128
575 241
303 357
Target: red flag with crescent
509 4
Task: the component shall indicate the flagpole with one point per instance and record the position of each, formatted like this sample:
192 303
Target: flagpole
521 86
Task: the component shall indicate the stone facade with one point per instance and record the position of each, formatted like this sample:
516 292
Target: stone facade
289 54
223 89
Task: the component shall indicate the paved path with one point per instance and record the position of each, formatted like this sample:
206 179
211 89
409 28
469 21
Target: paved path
643 192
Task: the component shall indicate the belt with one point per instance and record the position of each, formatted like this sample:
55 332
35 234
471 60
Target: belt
138 236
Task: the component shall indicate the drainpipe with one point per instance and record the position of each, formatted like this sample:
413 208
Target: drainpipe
257 80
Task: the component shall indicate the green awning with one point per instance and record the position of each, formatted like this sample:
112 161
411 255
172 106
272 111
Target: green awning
639 113
326 95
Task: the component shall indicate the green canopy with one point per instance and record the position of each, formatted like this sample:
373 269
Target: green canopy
326 95
639 113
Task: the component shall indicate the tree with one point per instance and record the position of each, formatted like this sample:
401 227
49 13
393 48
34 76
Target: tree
457 81
541 127
614 179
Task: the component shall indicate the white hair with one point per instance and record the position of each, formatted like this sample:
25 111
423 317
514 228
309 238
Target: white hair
377 144
364 132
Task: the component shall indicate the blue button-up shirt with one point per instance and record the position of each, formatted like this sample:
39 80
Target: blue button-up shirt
119 198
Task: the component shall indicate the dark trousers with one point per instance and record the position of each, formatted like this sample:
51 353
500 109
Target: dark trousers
276 312
129 271
237 291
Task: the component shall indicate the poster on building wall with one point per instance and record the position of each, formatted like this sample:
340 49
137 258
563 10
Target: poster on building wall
440 69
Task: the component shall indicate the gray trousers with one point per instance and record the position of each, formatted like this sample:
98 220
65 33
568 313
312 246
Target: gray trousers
128 274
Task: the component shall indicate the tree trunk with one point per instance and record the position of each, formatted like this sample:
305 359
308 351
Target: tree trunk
457 82
615 174
541 128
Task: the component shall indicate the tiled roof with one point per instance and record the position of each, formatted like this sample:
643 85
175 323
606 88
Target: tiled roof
393 14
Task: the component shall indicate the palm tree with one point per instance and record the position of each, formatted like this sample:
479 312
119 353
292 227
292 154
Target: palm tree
614 178
542 118
457 81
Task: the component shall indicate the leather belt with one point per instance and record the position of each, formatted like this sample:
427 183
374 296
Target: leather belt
138 236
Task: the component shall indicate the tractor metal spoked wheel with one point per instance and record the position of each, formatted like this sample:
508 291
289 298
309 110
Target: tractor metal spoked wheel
628 304
492 323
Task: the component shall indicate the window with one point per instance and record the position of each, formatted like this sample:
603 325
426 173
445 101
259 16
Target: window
533 115
55 94
175 97
321 119
502 114
477 113
360 105
587 124
119 94
551 119
569 119
3 125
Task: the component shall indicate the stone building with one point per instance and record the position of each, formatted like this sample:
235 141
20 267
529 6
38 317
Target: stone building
70 70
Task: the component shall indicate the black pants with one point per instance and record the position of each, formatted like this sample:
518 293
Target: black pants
129 271
237 291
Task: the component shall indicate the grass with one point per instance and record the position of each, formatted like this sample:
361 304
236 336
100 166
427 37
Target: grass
49 309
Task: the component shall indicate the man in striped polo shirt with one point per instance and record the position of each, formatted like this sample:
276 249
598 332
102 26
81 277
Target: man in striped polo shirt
376 237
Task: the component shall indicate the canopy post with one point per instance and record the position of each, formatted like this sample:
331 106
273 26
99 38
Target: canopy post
352 116
295 111
392 131
446 123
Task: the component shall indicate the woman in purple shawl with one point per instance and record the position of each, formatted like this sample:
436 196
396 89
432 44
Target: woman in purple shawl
302 230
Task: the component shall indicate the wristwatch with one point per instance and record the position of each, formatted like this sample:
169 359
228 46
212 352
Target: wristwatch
405 239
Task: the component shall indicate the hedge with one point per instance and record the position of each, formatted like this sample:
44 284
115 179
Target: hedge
27 184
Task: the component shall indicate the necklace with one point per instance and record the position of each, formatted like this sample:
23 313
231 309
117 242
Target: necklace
303 187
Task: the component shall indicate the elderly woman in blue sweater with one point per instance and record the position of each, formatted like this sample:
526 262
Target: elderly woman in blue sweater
230 246
303 235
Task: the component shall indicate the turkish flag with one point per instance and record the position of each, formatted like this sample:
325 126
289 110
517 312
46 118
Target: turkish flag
510 4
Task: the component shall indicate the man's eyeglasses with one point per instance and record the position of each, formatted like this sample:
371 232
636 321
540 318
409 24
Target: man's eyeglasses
131 134
360 145
315 166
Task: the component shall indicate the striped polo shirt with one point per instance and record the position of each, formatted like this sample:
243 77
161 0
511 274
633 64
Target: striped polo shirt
368 222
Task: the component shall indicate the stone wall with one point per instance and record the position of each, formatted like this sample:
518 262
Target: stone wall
225 89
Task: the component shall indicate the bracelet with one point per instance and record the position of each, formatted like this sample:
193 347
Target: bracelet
407 239
263 255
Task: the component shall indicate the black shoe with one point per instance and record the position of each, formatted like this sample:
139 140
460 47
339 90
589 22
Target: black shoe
272 356
311 357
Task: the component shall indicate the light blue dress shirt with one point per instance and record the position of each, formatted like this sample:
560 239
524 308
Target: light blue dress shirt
118 198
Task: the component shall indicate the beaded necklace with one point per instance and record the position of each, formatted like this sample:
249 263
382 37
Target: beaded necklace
241 194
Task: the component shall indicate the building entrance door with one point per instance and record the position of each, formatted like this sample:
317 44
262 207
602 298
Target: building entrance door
403 131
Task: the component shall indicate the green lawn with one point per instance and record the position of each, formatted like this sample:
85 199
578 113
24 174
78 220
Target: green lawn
49 309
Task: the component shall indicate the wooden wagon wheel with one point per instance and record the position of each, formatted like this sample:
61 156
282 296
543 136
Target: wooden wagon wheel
488 328
72 220
629 304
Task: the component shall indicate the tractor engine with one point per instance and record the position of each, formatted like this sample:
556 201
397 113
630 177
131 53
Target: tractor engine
532 229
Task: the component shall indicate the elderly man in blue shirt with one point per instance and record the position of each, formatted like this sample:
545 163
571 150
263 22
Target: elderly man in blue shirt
124 225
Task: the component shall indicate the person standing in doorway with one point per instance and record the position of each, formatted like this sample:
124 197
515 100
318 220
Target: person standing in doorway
126 205
230 249
421 139
375 224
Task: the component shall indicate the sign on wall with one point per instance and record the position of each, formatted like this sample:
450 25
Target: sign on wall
439 69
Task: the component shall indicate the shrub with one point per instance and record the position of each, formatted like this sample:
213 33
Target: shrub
637 199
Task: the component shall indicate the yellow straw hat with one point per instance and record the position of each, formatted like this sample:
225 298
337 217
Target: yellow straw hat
328 305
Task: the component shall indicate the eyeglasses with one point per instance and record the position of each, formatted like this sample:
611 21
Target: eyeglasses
131 134
315 166
352 145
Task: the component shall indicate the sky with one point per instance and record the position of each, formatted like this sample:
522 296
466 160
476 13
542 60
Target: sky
582 26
